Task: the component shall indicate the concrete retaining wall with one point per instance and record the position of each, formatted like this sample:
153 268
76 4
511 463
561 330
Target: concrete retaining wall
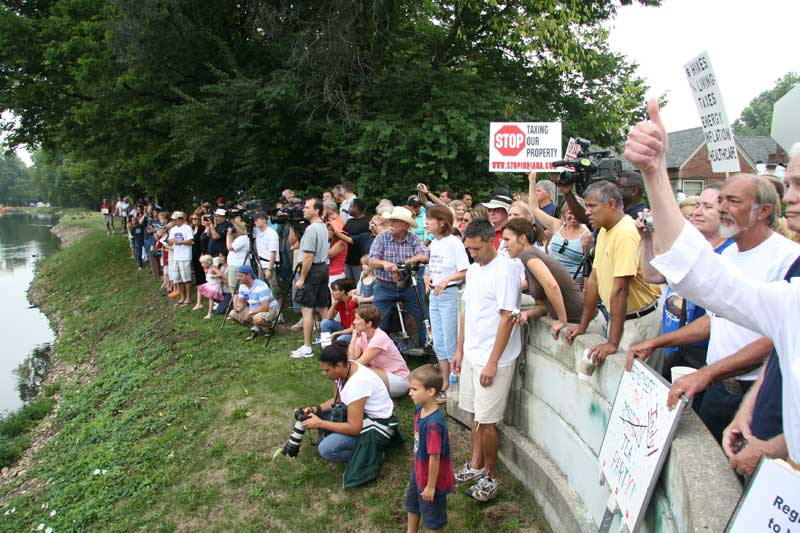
553 429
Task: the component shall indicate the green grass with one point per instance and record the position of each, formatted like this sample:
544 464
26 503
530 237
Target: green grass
15 429
170 423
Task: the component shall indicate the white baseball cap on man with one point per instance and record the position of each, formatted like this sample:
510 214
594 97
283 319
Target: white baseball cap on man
178 214
220 212
403 215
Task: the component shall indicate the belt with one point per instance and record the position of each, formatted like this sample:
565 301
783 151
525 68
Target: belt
642 312
379 280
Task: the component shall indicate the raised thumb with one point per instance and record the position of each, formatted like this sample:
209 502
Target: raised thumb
653 112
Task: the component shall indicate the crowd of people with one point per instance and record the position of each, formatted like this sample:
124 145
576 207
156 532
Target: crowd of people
516 257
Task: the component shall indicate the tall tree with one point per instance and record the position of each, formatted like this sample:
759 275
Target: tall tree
756 118
172 97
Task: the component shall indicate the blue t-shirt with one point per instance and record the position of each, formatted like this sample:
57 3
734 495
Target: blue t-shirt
673 303
257 294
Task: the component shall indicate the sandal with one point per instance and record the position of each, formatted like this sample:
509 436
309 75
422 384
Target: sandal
197 307
207 317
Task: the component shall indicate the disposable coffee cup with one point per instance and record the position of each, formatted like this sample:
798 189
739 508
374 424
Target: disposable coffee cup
586 367
680 371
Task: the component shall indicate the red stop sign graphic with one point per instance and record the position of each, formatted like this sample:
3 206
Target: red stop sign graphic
509 140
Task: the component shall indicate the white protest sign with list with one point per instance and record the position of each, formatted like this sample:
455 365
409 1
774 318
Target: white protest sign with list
771 502
708 99
524 146
637 439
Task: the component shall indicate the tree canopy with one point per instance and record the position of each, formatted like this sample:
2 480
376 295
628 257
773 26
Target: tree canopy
173 98
756 118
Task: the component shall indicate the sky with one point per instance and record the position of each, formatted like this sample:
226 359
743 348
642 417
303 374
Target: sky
750 43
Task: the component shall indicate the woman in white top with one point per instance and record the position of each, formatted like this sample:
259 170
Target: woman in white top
570 239
361 392
446 270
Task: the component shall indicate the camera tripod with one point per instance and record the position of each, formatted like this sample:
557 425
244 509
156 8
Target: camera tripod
409 347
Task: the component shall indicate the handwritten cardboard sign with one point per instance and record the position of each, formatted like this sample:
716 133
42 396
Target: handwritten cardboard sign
708 98
638 436
771 501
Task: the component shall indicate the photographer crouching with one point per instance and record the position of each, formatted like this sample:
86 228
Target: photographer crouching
357 422
395 246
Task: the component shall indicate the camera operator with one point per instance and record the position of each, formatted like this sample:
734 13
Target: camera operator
312 284
217 230
267 248
238 244
390 248
631 185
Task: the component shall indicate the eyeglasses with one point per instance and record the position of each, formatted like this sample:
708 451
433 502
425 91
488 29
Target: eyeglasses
193 218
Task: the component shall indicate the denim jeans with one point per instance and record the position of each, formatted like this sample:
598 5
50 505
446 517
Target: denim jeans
331 326
444 323
137 251
386 295
336 447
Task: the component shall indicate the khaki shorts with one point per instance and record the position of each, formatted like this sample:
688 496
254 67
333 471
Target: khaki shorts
488 404
274 284
180 271
233 278
244 316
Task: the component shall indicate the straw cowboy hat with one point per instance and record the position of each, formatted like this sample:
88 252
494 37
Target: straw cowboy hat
403 215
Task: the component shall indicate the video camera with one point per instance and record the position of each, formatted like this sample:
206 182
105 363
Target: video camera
406 272
589 167
291 213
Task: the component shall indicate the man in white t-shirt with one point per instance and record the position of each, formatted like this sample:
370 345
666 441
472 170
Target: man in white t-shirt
488 346
181 238
121 210
268 248
344 195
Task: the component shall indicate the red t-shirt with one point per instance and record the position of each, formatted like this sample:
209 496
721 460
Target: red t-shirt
108 209
347 312
498 236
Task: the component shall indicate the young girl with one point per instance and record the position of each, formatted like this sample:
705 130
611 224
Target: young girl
212 288
226 290
366 283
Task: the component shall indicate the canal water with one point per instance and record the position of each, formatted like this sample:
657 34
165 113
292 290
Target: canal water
26 334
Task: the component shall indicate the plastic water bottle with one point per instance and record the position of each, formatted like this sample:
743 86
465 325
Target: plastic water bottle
453 378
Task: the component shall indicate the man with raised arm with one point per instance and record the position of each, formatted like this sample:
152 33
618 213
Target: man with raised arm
697 273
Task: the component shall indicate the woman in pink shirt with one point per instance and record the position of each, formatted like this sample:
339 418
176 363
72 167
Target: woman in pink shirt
371 346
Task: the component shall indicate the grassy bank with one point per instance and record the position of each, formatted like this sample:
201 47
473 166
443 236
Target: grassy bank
167 423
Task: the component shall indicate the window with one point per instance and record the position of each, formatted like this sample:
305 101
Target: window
693 187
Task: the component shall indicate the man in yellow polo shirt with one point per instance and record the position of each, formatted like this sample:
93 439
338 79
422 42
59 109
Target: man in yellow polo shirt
616 278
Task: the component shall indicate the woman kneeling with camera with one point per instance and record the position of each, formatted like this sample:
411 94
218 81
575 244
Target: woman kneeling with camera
358 421
371 346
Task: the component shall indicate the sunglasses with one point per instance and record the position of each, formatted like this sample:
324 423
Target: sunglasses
564 245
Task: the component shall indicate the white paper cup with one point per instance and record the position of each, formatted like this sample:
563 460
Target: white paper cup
680 371
585 367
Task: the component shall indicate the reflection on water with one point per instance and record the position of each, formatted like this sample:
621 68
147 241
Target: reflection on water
24 239
32 371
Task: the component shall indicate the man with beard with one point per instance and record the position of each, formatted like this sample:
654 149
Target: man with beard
748 208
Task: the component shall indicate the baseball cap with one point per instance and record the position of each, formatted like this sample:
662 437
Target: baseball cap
413 202
220 212
247 269
178 214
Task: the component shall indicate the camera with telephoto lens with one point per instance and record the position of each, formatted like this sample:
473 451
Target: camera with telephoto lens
405 273
292 446
589 167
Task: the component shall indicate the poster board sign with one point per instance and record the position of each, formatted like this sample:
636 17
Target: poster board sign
573 150
717 129
524 146
771 501
639 433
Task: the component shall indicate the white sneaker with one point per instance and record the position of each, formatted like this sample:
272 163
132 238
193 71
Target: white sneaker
298 326
484 490
301 352
467 474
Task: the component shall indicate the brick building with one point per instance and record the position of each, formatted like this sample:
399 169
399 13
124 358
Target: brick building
690 170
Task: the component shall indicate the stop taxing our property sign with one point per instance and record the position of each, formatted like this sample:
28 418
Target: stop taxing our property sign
524 146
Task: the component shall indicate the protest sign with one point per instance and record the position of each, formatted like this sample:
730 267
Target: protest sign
708 98
771 501
635 445
524 146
